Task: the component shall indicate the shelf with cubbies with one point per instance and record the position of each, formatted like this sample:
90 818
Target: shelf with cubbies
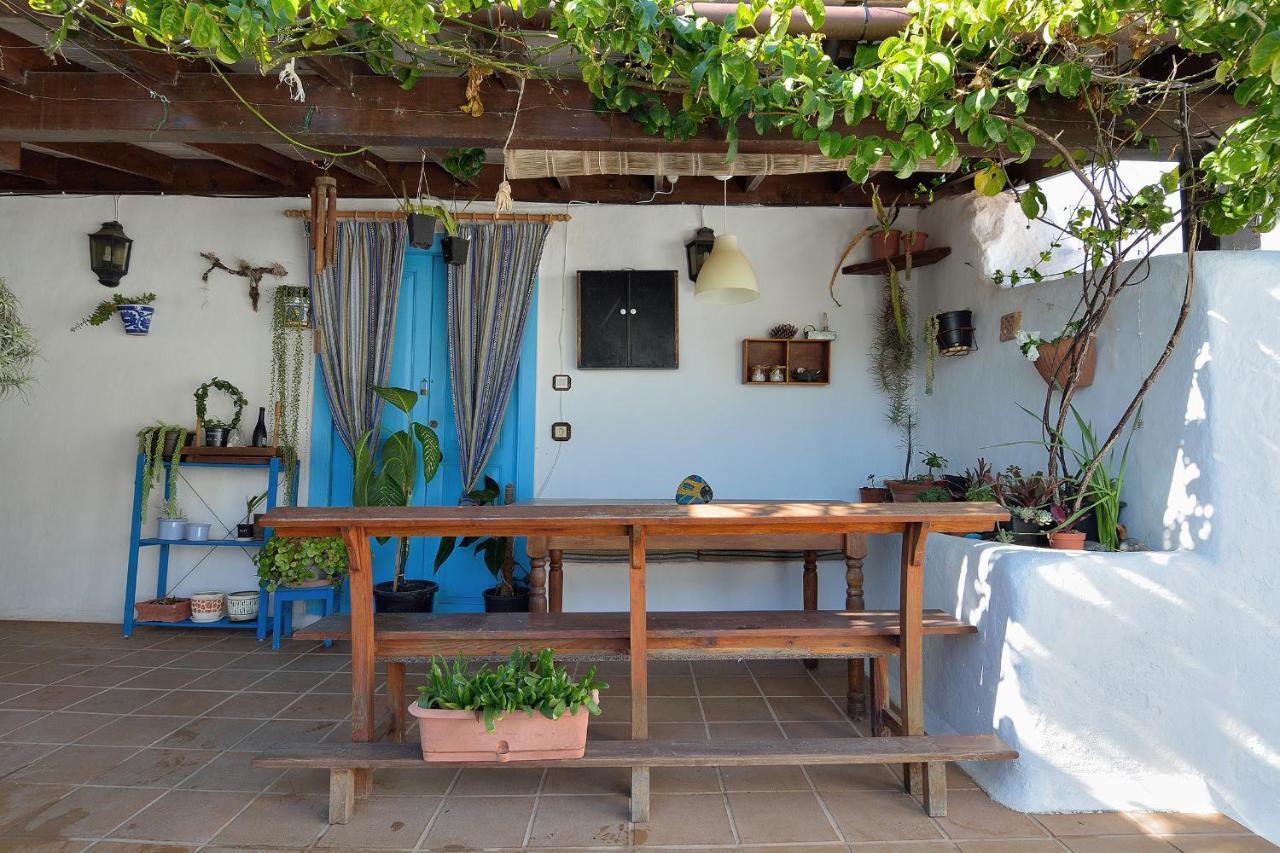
800 357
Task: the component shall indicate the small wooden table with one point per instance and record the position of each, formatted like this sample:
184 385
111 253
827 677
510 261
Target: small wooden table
638 523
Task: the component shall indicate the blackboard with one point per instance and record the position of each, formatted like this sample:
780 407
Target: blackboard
628 319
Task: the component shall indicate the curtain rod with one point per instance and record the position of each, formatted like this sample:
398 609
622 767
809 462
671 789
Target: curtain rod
465 217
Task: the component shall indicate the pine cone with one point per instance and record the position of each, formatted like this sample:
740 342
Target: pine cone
783 330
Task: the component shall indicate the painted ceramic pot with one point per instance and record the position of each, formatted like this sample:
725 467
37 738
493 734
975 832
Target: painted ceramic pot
171 529
461 736
197 531
242 606
208 606
136 319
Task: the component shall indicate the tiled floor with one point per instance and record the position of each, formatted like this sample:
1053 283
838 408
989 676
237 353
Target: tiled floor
144 744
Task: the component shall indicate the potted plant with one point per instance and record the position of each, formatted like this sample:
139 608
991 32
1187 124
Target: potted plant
1065 537
954 333
871 493
508 594
135 313
912 241
1027 498
1052 358
172 524
390 480
452 247
246 529
527 709
166 609
156 443
301 562
976 485
885 241
216 431
909 489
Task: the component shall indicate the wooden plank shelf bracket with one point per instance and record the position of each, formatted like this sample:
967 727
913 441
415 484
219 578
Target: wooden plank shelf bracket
880 266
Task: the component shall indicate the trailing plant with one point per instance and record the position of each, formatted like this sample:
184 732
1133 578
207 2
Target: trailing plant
498 552
390 478
151 441
237 399
290 373
463 163
286 560
526 682
107 308
18 348
931 350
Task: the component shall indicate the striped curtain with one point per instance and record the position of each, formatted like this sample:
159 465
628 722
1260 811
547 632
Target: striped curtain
489 299
355 315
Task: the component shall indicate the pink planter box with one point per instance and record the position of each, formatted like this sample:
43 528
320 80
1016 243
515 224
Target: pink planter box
461 736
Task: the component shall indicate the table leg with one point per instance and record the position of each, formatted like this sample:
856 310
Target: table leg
855 550
537 584
555 582
911 642
360 570
639 674
879 695
810 591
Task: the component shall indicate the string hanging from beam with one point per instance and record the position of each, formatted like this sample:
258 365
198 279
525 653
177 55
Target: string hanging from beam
464 217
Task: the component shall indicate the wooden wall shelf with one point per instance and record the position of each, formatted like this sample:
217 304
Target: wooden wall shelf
880 266
793 354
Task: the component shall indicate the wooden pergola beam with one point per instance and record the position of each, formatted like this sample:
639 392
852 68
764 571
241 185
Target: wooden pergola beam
19 57
129 159
254 159
10 157
151 67
337 71
366 166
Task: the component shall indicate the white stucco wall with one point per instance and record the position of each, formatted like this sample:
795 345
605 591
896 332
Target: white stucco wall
66 463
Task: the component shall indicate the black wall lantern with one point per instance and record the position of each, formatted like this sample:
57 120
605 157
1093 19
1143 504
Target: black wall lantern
109 251
697 250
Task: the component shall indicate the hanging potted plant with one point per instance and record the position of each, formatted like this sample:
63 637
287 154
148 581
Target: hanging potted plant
510 593
453 247
1052 358
301 562
527 709
954 334
216 432
135 313
389 479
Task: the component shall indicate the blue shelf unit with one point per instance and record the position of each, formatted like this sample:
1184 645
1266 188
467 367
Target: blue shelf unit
137 543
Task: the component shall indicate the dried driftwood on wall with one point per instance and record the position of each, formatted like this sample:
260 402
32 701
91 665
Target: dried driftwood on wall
245 270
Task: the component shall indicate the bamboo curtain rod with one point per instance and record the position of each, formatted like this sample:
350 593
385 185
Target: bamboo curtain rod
466 217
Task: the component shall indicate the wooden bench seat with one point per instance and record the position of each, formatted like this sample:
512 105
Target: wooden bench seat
342 760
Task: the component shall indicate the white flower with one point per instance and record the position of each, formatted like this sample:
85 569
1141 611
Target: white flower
1022 337
1031 353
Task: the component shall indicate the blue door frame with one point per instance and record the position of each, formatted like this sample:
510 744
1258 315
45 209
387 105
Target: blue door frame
420 361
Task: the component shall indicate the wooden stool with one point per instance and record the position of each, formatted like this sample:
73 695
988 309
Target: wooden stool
282 609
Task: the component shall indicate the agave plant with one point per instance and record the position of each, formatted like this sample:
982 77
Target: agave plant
391 477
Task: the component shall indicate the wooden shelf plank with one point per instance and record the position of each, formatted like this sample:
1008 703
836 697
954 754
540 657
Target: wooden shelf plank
925 258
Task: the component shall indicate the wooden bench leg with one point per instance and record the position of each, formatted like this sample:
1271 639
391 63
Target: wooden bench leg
855 550
879 695
810 591
935 788
395 699
342 795
639 794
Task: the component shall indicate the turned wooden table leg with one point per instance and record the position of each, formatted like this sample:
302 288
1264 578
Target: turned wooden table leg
639 673
555 582
879 696
855 549
537 584
363 674
811 591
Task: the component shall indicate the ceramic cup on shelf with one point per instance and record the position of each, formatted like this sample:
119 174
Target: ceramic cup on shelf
242 606
208 606
197 531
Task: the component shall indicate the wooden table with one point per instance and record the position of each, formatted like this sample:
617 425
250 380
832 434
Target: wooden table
638 523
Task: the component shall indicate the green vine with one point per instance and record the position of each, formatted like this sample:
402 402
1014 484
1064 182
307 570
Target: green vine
151 441
931 352
289 369
237 399
17 346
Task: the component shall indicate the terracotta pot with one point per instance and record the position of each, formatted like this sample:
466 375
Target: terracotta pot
873 495
906 491
461 736
918 239
154 611
1067 540
884 244
1054 364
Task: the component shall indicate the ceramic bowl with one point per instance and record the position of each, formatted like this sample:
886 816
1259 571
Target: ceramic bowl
208 606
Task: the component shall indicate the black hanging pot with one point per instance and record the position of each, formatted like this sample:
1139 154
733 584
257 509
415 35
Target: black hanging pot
455 249
216 436
411 597
955 332
518 603
422 230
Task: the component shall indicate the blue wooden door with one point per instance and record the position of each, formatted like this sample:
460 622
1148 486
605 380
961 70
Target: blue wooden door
420 361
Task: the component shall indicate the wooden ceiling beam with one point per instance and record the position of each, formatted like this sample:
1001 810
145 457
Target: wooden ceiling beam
254 159
19 57
751 183
152 67
10 157
340 71
366 166
130 159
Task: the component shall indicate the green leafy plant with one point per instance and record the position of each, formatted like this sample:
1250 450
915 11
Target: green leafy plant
250 504
390 478
172 511
237 399
498 552
151 442
934 462
107 308
934 494
18 348
286 560
291 366
526 682
463 163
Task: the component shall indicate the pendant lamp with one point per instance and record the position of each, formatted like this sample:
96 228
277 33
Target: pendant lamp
726 277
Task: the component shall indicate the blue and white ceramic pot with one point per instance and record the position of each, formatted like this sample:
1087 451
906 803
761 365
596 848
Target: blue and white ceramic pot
136 318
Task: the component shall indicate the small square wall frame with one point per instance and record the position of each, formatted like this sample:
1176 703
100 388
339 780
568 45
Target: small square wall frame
792 354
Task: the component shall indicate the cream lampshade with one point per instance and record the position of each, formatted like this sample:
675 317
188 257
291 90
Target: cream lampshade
726 277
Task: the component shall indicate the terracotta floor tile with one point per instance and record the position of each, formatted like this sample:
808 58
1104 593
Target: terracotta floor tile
682 780
745 731
184 703
1168 823
736 709
675 710
791 816
413 783
292 683
906 847
104 676
853 777
165 678
35 845
207 660
787 668
18 801
272 733
677 731
319 661
31 654
277 820
231 772
775 685
1025 845
686 819
155 768
85 812
666 685
59 727
45 673
806 708
257 705
389 823
1118 844
10 720
972 814
727 685
880 816
1221 844
819 729
72 765
784 778
340 682
485 781
466 823
576 821
54 697
93 657
190 816
15 756
587 780
117 700
210 733
132 731
141 847
1091 823
719 667
228 679
147 658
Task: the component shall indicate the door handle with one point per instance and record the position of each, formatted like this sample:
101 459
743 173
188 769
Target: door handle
422 387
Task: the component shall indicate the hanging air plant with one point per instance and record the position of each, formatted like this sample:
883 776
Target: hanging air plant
289 371
17 346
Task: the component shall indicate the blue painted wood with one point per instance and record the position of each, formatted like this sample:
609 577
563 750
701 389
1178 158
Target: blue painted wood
421 353
215 543
282 609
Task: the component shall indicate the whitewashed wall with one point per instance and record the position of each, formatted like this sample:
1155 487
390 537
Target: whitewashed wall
66 455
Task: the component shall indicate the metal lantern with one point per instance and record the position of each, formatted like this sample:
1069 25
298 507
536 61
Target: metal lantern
698 249
109 251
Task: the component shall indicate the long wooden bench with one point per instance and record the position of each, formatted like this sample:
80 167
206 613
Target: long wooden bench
344 760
